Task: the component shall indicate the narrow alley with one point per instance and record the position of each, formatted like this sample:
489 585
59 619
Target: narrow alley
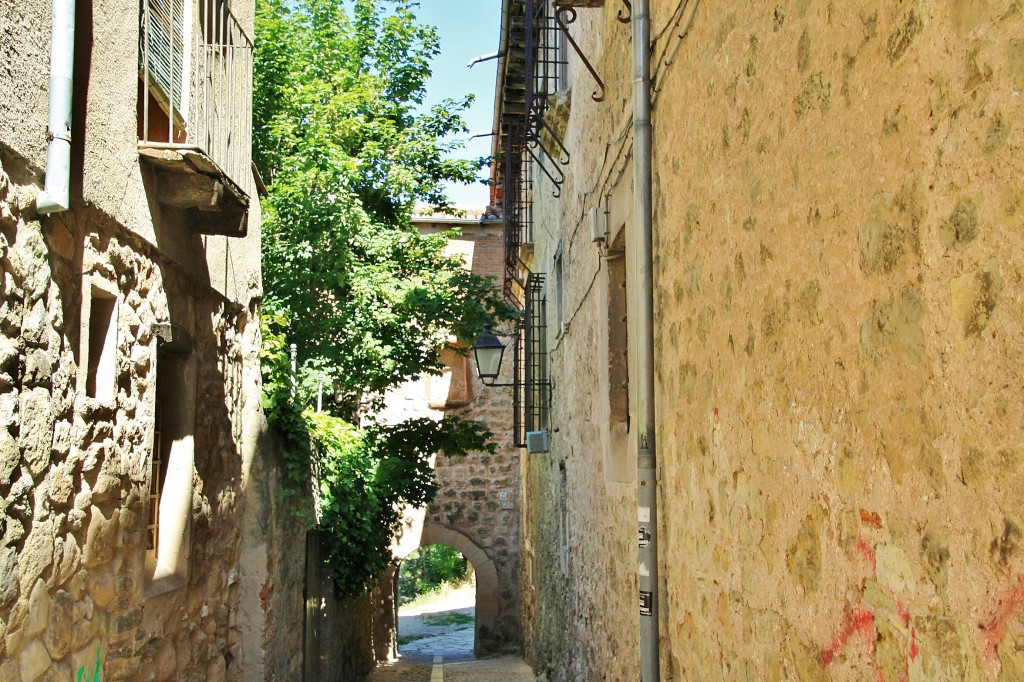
688 334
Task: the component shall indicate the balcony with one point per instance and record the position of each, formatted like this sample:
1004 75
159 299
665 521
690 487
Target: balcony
195 111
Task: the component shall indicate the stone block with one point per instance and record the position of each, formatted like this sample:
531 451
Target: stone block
101 588
894 570
8 575
39 367
38 610
33 661
10 455
34 324
37 556
57 637
36 435
100 539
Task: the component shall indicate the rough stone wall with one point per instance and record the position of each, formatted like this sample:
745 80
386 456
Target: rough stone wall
838 225
355 633
76 595
272 582
75 469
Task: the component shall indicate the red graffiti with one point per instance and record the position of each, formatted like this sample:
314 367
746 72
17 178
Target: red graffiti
870 518
915 650
264 597
901 611
1010 604
859 621
864 549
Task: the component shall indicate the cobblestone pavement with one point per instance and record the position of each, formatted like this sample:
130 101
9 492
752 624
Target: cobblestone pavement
439 648
502 669
499 669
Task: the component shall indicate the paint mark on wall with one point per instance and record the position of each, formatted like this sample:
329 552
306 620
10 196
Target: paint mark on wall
860 621
866 552
870 518
1009 604
97 674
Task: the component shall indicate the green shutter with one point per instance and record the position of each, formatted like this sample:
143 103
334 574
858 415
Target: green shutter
162 55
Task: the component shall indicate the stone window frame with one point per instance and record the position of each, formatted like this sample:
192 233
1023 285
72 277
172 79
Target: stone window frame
167 564
615 391
99 373
559 272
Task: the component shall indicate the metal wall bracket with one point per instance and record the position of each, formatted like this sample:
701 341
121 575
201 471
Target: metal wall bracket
564 16
624 18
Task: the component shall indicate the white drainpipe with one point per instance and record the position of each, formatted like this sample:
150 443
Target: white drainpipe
56 195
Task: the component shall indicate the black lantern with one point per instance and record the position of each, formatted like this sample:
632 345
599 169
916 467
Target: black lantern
488 351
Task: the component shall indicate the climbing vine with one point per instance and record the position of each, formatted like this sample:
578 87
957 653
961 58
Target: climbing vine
364 477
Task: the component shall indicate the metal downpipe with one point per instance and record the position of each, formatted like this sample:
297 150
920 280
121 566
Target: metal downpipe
56 192
641 247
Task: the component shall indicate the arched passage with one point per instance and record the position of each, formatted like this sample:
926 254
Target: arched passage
486 580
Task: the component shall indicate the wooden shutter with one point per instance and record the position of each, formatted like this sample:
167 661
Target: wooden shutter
162 49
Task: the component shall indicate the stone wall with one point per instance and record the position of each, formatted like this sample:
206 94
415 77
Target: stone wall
478 495
838 230
95 303
75 484
475 510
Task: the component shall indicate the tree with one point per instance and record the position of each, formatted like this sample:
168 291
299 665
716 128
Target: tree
369 302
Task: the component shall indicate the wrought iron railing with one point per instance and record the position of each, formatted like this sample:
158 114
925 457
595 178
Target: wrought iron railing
195 65
532 381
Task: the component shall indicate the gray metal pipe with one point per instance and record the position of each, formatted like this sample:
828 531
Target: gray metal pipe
641 247
56 194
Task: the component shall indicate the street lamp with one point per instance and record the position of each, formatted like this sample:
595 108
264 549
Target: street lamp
488 351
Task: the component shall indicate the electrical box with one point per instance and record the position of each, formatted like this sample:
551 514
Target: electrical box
598 225
537 441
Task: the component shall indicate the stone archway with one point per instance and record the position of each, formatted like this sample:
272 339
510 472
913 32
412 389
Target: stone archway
486 581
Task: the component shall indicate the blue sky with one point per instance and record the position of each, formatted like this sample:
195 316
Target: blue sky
468 29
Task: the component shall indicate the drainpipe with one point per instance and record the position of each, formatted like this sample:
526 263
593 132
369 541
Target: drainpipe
641 247
55 196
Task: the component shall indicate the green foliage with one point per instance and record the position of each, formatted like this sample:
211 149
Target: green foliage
427 569
337 133
347 153
282 411
368 475
448 618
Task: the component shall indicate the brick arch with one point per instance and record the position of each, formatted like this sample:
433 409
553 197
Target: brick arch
486 580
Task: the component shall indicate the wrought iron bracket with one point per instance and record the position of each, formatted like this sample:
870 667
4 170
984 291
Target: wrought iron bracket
624 18
563 152
565 15
557 182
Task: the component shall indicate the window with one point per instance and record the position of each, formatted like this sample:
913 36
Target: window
163 63
538 399
619 450
171 473
101 345
559 268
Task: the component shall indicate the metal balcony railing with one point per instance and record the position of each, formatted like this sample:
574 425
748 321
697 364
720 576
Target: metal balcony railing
195 65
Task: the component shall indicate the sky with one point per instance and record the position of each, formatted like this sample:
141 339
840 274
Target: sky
468 29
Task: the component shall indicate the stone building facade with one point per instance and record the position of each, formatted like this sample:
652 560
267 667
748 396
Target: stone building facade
838 225
476 508
129 339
